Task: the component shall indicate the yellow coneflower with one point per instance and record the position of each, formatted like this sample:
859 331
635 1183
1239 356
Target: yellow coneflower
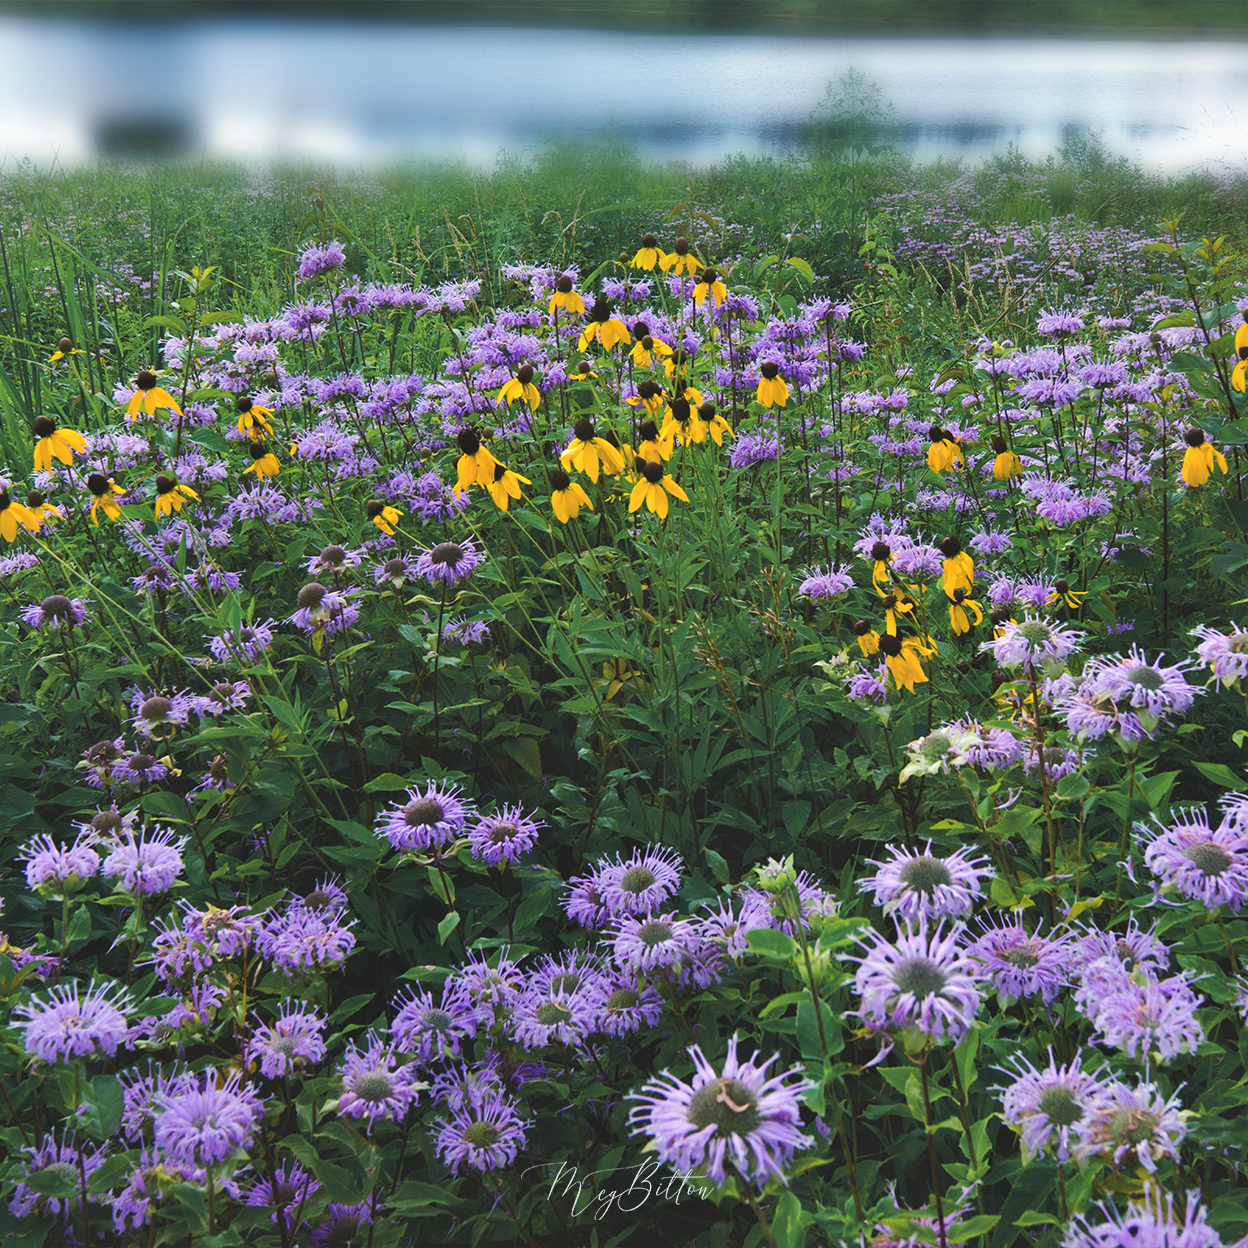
475 465
868 638
959 567
63 348
104 491
647 347
54 443
1062 592
566 298
1006 464
652 445
11 514
171 494
149 396
1200 457
521 387
709 284
604 328
944 451
653 487
881 557
1241 354
895 603
253 420
773 391
567 497
958 620
681 259
263 461
683 422
649 395
383 516
41 511
587 451
902 654
506 486
649 254
716 425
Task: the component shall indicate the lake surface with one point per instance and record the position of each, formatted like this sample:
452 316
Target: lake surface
360 94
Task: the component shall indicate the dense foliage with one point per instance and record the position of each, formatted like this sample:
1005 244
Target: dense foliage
662 714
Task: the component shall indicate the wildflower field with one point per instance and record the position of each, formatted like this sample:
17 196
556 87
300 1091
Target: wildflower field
656 709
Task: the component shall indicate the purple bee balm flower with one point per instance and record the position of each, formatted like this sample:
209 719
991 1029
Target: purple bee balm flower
204 1125
101 760
225 933
293 1040
1058 324
627 1005
146 1187
484 1132
1132 949
504 835
1033 644
397 570
753 449
244 644
140 770
641 884
1162 692
481 994
1150 1223
320 608
868 686
147 864
826 583
343 1224
1018 963
583 903
432 1032
335 560
141 1093
371 1086
156 714
285 1191
326 898
653 942
225 695
56 869
571 974
1136 1120
1046 1106
64 1159
729 929
432 818
315 260
1207 864
922 885
1225 654
542 1018
1156 1018
55 613
448 562
304 942
69 1025
924 980
735 1118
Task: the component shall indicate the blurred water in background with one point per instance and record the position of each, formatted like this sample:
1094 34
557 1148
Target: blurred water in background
361 94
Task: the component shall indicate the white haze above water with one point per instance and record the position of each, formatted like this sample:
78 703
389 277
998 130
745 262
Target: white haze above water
359 94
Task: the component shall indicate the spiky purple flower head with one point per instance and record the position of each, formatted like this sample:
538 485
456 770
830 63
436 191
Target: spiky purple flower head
285 1190
1048 1106
1151 1223
204 1125
825 583
57 869
315 259
71 1024
640 884
924 979
1207 864
146 864
504 835
1021 963
448 562
1033 645
924 885
1153 1018
342 1225
1225 654
1139 1121
55 613
735 1117
427 820
653 942
432 1030
65 1159
293 1040
484 1131
244 644
372 1087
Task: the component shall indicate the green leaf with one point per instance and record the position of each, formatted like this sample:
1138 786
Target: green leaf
526 752
980 1224
388 782
787 1225
965 1055
802 267
1031 1218
443 886
771 943
447 926
1221 774
718 866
